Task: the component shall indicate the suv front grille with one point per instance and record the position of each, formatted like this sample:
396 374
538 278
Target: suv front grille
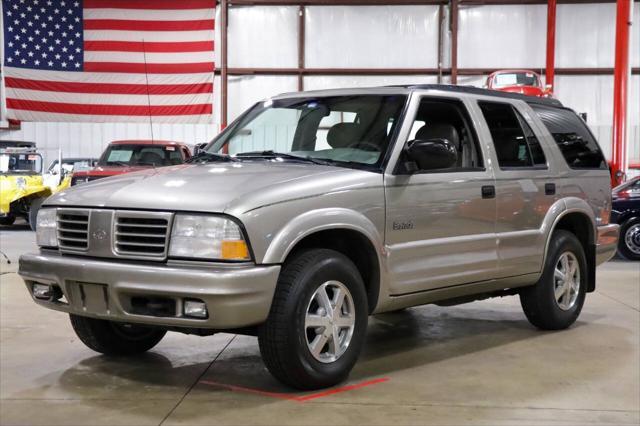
138 234
73 230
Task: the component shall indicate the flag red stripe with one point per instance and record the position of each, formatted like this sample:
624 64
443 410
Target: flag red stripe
112 88
146 4
149 47
141 68
130 110
129 25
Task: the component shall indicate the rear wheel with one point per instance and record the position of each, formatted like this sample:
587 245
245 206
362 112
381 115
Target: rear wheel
629 242
34 207
7 220
317 323
555 302
115 338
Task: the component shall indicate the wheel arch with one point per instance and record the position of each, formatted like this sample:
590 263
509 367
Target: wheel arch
578 218
343 230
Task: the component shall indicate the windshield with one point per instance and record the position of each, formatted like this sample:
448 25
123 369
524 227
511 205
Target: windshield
340 130
515 79
141 155
76 165
20 163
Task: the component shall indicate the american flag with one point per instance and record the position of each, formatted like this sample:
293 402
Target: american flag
109 60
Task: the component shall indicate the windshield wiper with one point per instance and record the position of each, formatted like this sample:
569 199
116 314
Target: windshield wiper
206 157
273 154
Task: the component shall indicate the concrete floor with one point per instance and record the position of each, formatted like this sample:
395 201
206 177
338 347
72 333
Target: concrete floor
480 363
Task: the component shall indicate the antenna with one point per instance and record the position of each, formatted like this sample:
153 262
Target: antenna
146 76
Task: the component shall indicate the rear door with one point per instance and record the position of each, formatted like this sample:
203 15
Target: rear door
525 190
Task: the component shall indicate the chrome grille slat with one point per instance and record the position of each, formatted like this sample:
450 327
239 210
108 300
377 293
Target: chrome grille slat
133 234
141 234
73 230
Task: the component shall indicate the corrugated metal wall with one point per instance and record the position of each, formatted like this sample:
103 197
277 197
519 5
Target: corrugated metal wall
388 36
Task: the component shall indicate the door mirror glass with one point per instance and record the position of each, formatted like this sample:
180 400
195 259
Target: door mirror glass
432 154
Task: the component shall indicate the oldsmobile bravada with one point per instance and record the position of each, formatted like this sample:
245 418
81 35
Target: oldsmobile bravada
314 210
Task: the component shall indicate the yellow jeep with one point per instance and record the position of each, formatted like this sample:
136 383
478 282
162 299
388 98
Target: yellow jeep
22 189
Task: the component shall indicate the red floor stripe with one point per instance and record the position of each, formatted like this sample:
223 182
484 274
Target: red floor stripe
302 398
341 389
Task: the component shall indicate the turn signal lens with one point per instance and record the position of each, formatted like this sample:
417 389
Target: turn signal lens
235 250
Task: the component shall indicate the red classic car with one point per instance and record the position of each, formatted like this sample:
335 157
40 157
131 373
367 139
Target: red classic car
518 81
132 155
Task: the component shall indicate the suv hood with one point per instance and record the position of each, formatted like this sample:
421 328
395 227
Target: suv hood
104 171
213 187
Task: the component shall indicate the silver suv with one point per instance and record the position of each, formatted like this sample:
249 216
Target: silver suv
314 210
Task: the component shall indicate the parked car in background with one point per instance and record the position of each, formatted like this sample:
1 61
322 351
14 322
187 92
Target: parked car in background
127 156
314 210
58 178
525 82
626 213
22 189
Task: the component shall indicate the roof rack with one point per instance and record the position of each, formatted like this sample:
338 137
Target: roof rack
485 92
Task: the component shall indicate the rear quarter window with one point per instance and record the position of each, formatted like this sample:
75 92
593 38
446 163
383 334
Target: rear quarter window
577 144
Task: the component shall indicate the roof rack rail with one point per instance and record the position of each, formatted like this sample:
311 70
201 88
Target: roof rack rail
485 92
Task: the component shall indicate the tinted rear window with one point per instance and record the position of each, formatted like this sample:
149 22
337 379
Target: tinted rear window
577 144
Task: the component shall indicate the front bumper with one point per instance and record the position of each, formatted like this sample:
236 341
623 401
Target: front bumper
235 295
607 242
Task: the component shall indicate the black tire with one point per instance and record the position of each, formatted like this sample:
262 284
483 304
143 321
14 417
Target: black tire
629 235
34 207
539 301
7 220
283 337
113 338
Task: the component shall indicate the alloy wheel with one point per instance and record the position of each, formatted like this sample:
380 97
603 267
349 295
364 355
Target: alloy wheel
632 238
329 321
566 279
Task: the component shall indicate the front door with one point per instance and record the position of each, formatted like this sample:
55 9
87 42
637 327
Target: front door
440 224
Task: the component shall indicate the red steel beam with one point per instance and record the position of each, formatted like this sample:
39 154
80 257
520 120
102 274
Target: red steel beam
620 94
551 43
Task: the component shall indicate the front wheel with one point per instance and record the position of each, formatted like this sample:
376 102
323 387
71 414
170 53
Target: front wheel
317 323
629 242
556 300
115 338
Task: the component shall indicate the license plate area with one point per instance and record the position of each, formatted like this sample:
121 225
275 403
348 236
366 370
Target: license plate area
92 298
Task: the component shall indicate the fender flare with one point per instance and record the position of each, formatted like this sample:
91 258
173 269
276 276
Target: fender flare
319 220
554 216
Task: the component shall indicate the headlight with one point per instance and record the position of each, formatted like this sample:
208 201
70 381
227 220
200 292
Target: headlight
207 237
46 235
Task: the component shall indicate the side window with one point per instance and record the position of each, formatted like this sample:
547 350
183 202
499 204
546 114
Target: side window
515 143
578 146
533 144
448 119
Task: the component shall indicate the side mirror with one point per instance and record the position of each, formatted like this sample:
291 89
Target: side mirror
199 147
432 154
